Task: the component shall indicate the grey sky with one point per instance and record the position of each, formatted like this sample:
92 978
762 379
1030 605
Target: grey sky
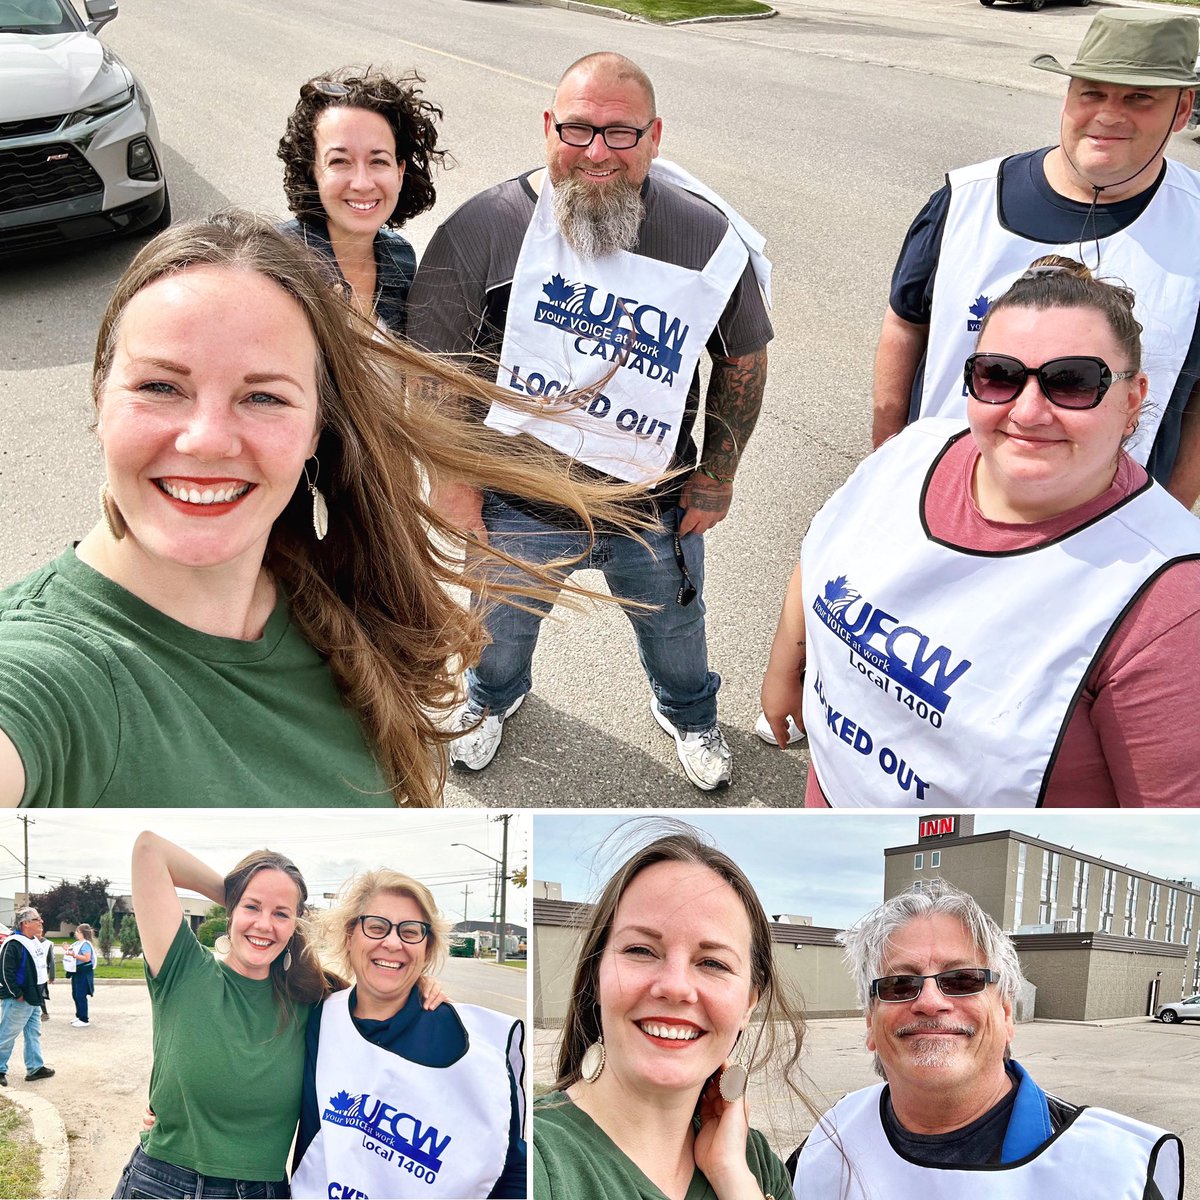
328 846
829 866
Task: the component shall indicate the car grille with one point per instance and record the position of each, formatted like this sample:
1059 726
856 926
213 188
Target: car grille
30 128
44 174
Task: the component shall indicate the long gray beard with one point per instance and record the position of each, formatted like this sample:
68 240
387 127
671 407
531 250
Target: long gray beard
598 220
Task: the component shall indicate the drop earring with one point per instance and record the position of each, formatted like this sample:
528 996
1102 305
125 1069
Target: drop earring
320 510
287 959
732 1084
222 945
113 519
593 1060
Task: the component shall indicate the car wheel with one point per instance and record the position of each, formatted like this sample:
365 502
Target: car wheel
1168 1016
1035 5
987 3
1082 3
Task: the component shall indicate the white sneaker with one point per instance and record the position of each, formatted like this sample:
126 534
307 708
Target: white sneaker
80 1024
796 736
705 755
476 748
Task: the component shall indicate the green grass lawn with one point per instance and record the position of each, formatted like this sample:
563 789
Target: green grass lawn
665 11
20 1174
120 968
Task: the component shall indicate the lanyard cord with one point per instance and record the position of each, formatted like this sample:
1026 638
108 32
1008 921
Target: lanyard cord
1090 215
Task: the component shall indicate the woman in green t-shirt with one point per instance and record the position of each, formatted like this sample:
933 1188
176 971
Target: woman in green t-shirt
228 1035
265 598
649 1098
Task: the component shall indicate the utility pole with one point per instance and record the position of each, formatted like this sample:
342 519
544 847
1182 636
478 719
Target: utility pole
500 955
25 821
466 893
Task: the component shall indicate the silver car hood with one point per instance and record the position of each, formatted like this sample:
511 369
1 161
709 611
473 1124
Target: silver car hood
48 74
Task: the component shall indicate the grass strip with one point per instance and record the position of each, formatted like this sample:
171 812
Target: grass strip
664 11
120 968
20 1170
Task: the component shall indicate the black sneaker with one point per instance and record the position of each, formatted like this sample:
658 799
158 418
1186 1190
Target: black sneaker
3 1081
40 1073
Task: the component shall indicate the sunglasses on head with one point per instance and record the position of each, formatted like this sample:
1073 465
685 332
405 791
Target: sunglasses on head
1078 381
962 981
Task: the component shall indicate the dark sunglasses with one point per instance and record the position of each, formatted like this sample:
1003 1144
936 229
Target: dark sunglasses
1076 382
333 89
377 928
962 981
616 137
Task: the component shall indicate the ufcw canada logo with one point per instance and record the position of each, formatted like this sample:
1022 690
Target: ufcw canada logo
399 1131
978 311
650 339
902 652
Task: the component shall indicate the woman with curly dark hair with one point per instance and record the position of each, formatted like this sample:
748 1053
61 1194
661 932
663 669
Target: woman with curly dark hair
357 156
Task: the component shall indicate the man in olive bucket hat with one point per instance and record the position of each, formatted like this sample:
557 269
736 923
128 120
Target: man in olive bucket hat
1105 195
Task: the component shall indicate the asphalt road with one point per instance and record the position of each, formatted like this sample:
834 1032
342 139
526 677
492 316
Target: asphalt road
828 126
1138 1067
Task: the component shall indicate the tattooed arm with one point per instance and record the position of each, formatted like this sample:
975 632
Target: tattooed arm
735 393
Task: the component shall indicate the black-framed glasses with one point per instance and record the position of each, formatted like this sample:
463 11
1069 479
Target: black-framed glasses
377 928
1078 381
962 981
616 137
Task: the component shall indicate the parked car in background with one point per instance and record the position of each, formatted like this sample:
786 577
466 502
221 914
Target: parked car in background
1180 1010
79 148
1035 5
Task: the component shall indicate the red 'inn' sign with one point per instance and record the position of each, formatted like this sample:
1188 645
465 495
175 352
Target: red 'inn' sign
937 827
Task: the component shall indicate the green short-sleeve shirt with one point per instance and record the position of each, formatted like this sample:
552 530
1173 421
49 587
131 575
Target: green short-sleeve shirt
111 702
225 1085
574 1159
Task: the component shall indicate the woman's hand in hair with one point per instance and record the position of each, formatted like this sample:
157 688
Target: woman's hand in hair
720 1147
432 993
460 505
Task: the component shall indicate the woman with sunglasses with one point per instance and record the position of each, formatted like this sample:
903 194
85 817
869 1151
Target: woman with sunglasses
399 1101
1009 614
358 154
661 1034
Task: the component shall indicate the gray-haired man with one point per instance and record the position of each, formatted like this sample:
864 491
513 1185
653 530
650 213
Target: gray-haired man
937 979
23 980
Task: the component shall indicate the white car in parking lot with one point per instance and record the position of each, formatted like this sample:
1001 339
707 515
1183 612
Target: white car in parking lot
79 148
1180 1010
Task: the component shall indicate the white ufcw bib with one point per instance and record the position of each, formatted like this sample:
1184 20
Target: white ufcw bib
944 676
393 1129
572 320
1102 1154
38 950
1158 256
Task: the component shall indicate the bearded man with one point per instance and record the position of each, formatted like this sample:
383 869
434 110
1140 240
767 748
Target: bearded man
603 269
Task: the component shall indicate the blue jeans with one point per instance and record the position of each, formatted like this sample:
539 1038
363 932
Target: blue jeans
79 993
670 640
15 1017
146 1178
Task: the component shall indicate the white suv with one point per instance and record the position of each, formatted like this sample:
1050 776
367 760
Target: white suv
1180 1010
79 149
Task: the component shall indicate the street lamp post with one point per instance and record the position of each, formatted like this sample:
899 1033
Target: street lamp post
501 880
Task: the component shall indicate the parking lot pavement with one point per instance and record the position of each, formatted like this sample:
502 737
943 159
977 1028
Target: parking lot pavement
1139 1068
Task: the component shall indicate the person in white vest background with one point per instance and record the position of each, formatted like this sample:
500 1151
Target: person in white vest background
957 1115
609 271
1106 194
397 1100
24 979
1004 614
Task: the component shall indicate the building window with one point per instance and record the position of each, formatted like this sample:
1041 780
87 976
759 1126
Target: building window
1172 901
1189 912
1108 897
918 886
1131 906
1019 890
918 863
1048 908
1152 914
1079 895
935 858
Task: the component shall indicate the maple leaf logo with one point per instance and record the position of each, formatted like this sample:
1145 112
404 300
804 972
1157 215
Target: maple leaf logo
839 595
342 1102
558 290
980 307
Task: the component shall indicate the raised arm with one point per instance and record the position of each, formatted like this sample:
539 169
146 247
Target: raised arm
159 867
783 682
735 394
12 773
901 348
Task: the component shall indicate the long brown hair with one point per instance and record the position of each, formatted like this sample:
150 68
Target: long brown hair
582 1025
372 596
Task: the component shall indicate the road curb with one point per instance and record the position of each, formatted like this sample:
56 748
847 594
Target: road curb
601 10
51 1135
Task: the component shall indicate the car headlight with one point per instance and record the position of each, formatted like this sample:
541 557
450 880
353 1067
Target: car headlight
102 107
